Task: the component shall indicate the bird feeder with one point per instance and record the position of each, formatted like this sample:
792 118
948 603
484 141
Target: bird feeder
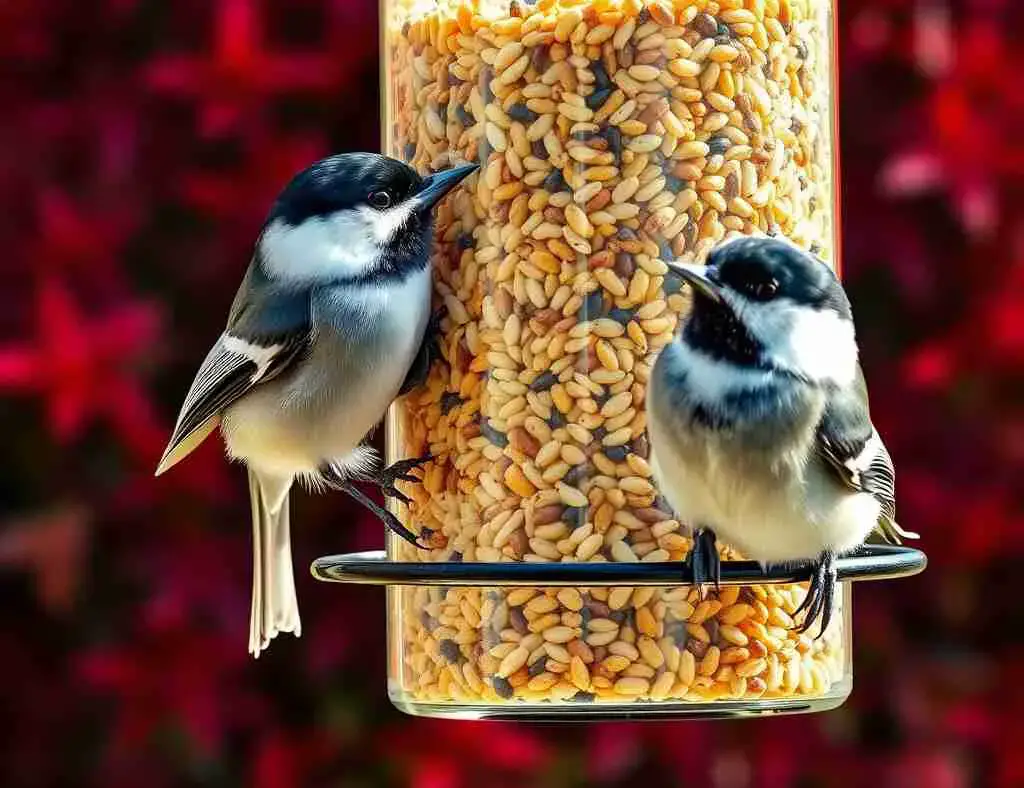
612 135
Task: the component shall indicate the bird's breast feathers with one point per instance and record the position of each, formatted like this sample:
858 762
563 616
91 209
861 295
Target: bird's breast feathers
364 341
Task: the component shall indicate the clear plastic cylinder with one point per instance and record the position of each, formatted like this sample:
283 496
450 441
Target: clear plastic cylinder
612 135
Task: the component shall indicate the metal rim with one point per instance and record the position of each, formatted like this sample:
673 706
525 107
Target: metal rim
870 562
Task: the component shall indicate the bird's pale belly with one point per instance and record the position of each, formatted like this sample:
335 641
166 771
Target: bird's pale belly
288 435
759 504
321 412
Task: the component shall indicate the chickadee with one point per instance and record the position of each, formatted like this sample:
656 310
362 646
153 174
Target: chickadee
327 328
758 418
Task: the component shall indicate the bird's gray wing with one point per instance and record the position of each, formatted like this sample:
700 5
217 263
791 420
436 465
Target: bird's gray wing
268 329
854 452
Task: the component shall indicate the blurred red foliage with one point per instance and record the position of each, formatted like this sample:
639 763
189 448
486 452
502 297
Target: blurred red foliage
141 144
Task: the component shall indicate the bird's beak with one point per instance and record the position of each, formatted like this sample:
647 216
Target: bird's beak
439 184
698 279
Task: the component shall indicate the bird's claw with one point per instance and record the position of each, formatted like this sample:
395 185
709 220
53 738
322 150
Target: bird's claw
394 525
820 596
704 561
399 471
337 481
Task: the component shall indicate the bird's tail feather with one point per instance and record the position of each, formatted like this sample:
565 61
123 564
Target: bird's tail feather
891 531
275 607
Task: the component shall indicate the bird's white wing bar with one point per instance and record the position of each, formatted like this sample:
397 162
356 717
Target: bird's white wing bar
262 356
231 368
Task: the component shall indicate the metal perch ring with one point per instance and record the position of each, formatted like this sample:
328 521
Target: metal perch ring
870 562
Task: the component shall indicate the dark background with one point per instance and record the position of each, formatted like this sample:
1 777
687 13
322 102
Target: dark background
141 142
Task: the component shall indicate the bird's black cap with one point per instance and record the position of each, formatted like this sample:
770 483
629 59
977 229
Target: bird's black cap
340 182
762 269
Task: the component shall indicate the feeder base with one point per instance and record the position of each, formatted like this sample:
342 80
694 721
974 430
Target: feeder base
636 711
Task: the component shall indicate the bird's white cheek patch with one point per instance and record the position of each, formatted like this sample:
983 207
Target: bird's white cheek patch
386 224
822 345
344 244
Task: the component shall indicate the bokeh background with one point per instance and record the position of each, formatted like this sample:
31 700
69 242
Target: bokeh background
141 142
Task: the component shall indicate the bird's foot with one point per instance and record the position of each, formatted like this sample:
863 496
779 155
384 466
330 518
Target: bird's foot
399 471
704 561
820 595
337 481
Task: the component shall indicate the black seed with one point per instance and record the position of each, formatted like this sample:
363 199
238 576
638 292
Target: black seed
427 621
497 437
599 433
815 248
537 667
601 399
719 145
575 516
410 151
618 616
502 687
544 381
614 137
456 557
626 234
450 650
517 619
723 30
538 150
597 98
449 401
644 16
675 184
621 315
554 182
463 115
585 615
801 50
465 241
557 420
577 474
711 625
485 80
601 79
592 307
616 453
522 113
581 696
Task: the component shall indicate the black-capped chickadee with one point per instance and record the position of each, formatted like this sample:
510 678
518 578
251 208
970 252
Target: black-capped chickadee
759 422
327 328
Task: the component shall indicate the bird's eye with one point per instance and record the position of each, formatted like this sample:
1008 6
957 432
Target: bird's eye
380 200
764 290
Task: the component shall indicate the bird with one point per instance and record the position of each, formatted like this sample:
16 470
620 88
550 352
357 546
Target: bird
329 326
759 423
